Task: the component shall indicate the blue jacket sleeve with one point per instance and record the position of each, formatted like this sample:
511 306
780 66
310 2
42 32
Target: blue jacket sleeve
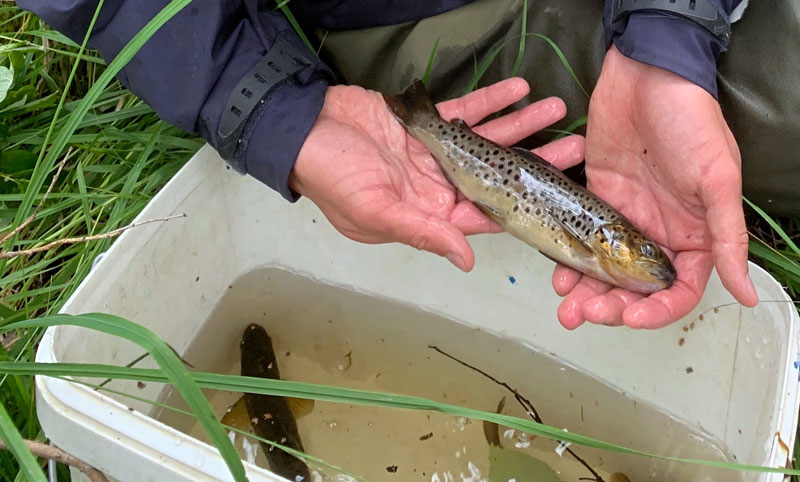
189 68
674 44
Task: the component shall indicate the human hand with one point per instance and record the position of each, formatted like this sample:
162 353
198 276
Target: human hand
658 149
377 184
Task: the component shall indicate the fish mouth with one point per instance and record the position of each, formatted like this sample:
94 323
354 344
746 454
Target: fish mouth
665 273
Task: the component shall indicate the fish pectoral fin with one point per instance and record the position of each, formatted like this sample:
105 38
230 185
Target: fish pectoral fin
575 236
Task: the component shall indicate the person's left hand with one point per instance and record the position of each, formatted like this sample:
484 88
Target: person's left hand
659 150
377 184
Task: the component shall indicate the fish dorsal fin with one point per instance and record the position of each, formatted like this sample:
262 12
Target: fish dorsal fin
531 156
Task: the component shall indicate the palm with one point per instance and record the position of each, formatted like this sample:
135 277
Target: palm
377 184
658 150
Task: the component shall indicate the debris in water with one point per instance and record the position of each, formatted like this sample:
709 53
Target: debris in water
391 469
140 384
689 370
426 436
619 477
348 362
681 342
512 279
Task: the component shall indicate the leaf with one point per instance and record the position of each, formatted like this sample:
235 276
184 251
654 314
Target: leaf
507 464
6 80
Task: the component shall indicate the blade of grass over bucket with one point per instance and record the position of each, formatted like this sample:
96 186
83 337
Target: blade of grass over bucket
311 391
172 370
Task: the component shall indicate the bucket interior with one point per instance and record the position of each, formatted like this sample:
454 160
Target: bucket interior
358 316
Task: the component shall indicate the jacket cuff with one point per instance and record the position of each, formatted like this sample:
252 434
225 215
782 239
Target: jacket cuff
276 131
674 44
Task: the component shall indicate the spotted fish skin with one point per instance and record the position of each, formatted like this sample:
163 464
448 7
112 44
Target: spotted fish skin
534 201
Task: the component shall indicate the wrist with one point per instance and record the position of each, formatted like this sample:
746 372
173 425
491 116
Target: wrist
672 43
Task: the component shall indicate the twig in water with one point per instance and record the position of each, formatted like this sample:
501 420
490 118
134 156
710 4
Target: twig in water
54 453
83 239
526 404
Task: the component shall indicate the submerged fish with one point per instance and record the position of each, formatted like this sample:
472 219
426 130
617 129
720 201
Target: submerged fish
534 201
270 416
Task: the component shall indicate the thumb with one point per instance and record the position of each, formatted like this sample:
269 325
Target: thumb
409 225
725 217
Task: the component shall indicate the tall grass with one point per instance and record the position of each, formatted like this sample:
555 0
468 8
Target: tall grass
120 155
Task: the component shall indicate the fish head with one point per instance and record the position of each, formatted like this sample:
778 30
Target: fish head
632 260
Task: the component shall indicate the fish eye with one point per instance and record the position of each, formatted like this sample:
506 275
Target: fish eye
648 250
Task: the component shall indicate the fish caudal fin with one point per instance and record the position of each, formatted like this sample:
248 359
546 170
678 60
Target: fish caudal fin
411 103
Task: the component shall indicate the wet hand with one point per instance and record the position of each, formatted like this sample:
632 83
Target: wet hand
658 149
377 184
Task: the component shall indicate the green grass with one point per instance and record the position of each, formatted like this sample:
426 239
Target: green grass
121 155
64 100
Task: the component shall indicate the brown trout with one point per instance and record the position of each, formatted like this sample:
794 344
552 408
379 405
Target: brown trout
534 201
270 416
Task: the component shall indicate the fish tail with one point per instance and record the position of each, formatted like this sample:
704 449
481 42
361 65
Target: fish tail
411 104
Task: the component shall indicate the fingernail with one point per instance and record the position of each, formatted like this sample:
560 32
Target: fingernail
456 260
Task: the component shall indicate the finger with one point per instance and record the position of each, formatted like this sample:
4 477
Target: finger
565 279
563 153
607 309
409 225
723 200
668 306
518 125
570 311
470 220
485 101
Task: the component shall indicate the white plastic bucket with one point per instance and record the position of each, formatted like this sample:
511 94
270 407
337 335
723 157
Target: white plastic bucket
742 388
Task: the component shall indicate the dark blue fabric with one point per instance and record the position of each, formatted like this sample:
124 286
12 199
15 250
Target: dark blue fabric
188 69
674 44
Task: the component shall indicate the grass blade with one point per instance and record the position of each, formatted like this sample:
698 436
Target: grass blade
13 440
522 37
124 56
563 60
286 388
482 69
570 129
785 237
170 365
296 25
427 74
774 256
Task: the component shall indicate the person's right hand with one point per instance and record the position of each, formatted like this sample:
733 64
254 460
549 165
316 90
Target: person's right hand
377 184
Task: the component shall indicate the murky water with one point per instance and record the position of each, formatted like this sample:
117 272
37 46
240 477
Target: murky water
337 337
